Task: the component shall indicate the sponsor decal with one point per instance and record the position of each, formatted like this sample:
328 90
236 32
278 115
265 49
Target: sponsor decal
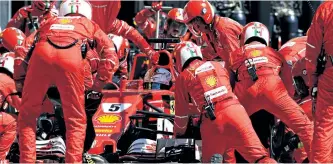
108 119
256 53
115 107
211 81
203 68
256 60
65 21
217 92
61 27
103 130
103 135
104 126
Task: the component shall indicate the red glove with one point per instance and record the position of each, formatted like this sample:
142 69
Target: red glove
156 6
154 57
24 13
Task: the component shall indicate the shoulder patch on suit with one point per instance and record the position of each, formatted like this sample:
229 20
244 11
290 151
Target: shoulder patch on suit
204 67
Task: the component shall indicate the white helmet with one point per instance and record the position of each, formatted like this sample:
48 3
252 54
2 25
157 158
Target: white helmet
256 31
7 63
185 51
75 6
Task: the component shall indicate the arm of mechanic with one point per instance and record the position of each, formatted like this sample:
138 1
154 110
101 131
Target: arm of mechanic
231 30
21 61
121 28
17 20
109 62
314 44
142 20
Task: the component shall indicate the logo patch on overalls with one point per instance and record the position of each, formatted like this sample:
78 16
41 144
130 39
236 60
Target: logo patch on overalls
211 81
255 53
64 21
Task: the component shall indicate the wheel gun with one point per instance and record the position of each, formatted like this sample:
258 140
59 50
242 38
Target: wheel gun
209 108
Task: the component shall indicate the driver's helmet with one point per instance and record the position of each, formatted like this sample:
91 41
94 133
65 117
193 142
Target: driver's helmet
7 63
157 79
43 5
174 26
12 37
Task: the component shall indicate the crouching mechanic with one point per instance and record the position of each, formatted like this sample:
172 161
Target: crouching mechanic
7 87
57 60
295 80
225 123
259 85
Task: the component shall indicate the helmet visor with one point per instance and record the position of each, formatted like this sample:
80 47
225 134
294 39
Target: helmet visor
194 28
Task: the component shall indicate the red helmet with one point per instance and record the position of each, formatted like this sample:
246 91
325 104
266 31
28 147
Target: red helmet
175 27
254 30
176 14
43 5
198 8
12 37
122 46
185 51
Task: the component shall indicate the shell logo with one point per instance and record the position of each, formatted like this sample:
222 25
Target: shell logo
108 119
255 53
103 130
211 81
64 21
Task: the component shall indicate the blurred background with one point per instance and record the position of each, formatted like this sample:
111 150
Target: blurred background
285 19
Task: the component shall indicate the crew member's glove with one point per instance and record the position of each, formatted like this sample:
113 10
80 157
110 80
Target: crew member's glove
154 57
156 6
23 13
